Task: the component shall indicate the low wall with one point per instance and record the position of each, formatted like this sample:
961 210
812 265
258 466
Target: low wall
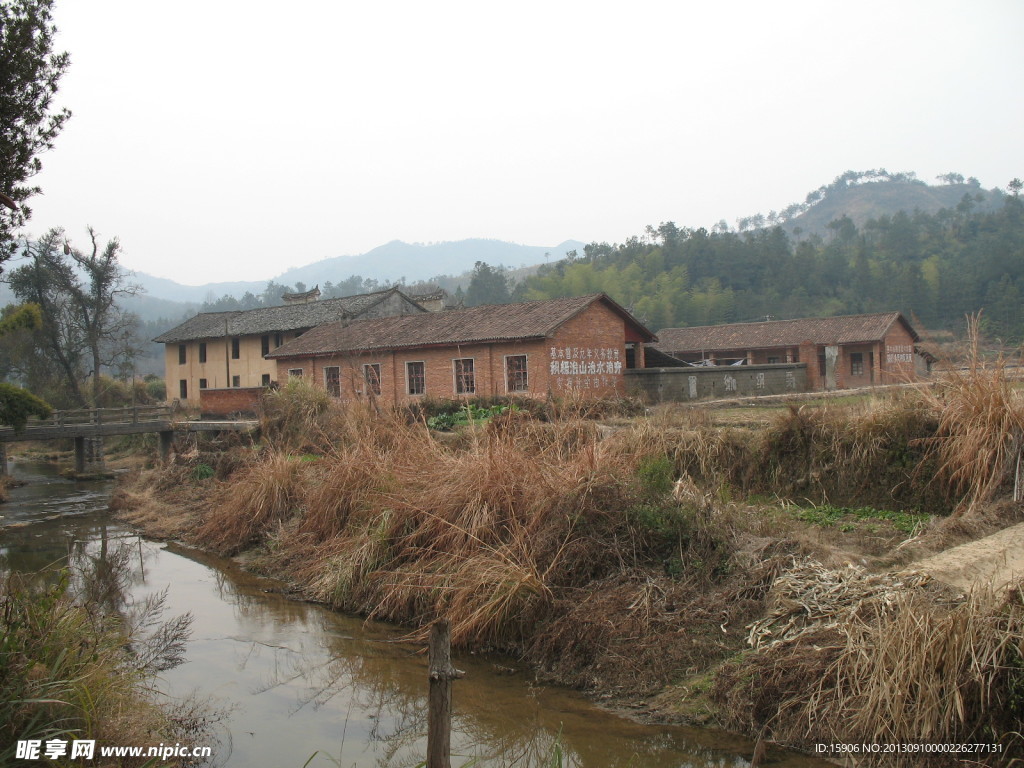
682 384
218 403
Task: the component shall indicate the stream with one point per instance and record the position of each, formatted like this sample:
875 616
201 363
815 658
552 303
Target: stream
300 682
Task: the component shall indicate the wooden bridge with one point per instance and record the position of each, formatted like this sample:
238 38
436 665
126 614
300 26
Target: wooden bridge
88 426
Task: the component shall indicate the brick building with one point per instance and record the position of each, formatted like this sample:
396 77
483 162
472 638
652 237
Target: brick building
226 350
840 352
532 348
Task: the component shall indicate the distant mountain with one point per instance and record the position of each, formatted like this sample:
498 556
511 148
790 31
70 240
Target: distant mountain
162 288
409 262
392 262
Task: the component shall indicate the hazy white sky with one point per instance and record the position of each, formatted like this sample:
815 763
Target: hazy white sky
226 140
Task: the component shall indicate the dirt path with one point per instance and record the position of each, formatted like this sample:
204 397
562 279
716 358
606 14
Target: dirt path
998 558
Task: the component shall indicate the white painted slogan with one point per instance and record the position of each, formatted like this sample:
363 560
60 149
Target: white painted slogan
899 353
584 367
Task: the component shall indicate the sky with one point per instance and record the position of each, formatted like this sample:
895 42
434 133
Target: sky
230 140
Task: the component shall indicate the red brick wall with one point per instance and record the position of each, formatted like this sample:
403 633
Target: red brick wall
222 402
896 359
594 340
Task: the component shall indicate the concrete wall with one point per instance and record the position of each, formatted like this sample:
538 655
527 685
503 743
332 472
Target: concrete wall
683 384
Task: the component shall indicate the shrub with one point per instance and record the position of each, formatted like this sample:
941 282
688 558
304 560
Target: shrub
295 416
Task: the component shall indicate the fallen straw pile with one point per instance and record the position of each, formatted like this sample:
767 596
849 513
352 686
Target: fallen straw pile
845 656
809 597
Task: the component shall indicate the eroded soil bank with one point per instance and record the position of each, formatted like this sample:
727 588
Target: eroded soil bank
755 579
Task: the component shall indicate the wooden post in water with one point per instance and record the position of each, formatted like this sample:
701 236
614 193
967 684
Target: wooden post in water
439 703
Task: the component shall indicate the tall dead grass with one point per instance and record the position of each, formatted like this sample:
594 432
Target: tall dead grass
980 436
895 669
396 524
264 494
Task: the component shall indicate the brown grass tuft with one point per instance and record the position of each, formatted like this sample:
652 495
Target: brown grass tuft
980 435
268 492
883 663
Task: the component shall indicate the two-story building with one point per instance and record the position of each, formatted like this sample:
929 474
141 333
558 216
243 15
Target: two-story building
227 350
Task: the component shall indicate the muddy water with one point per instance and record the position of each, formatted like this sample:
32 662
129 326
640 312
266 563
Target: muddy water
304 682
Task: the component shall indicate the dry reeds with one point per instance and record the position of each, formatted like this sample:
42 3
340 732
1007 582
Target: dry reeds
293 417
980 435
266 493
857 658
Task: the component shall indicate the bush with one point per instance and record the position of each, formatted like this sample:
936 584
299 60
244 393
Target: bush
296 415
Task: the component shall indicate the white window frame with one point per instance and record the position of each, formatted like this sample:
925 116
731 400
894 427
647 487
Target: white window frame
327 382
526 372
368 384
408 379
858 363
294 373
455 375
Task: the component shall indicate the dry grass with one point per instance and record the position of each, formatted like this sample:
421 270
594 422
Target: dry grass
295 417
263 495
854 658
615 554
980 435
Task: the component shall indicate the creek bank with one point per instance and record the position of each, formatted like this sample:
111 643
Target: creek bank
629 563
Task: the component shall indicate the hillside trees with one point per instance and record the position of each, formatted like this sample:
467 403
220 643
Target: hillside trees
488 285
935 268
83 329
29 74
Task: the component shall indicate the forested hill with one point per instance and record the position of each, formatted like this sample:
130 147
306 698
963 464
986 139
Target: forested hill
865 195
934 267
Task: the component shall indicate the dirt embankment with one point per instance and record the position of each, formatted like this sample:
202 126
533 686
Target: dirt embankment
996 560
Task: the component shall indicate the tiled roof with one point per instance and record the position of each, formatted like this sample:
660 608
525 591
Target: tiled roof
492 322
290 317
848 329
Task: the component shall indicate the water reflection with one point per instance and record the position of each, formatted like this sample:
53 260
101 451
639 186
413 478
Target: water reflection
303 680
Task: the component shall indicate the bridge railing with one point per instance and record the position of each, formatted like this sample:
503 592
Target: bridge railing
136 414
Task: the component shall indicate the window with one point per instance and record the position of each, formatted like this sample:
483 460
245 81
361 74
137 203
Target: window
265 345
265 380
181 354
416 377
516 377
202 383
202 351
773 360
332 380
234 348
295 373
236 381
277 340
856 363
465 380
371 375
183 389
